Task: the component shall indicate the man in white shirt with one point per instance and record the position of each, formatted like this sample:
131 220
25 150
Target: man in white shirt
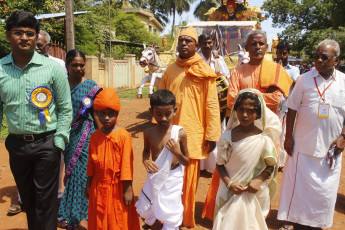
283 52
217 63
311 174
43 46
206 48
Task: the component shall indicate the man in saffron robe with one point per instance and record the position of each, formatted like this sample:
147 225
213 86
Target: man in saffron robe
266 76
194 84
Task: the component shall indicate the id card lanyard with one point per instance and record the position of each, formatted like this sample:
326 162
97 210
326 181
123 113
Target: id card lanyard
323 111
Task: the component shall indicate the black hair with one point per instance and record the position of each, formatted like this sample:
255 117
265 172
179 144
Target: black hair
252 96
284 45
205 37
72 54
341 68
162 97
22 19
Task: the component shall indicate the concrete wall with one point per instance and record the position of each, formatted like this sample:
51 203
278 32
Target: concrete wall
115 73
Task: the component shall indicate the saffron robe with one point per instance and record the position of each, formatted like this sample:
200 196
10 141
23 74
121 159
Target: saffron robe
260 77
111 164
193 83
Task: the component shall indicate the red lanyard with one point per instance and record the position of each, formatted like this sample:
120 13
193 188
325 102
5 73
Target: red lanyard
325 88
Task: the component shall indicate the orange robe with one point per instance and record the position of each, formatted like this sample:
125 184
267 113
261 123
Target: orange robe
111 164
250 76
193 83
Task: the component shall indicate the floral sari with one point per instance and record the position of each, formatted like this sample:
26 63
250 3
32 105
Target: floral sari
74 206
243 161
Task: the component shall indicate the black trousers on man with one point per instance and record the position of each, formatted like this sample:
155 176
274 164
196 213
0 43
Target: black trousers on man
35 166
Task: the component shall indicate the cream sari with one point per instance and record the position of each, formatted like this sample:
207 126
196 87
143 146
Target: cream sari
243 161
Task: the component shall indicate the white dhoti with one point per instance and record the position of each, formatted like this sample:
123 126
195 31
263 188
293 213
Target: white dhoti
282 153
210 162
309 190
160 197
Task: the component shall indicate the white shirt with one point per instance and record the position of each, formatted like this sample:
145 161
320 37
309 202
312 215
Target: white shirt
314 135
224 70
293 73
61 62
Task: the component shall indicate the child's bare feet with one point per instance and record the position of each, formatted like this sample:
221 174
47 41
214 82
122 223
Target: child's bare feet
83 225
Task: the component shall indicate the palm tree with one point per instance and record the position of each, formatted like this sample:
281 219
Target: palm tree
157 8
179 6
203 7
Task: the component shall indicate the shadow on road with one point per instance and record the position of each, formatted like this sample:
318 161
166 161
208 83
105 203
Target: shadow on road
340 204
142 122
11 192
206 223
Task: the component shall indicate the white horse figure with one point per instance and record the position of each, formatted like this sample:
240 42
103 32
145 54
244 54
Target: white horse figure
243 55
150 58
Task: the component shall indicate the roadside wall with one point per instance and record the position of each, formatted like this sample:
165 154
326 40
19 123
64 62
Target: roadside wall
125 73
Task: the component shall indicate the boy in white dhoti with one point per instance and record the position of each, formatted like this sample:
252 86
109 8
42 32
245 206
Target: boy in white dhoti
160 197
311 174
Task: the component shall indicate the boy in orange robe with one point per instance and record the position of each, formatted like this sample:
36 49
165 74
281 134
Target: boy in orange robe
110 170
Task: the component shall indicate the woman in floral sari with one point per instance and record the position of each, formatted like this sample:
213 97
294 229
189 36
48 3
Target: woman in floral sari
74 206
247 164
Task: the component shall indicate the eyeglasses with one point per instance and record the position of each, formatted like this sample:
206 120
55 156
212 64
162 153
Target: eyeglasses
40 45
19 33
324 57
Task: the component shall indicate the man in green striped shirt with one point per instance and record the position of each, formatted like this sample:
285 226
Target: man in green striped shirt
35 97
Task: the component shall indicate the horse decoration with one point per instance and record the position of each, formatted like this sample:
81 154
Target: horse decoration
150 59
243 55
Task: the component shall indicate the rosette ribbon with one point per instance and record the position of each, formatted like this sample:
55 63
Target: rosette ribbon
41 97
87 103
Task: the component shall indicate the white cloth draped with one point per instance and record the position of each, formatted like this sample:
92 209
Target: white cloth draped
243 161
160 197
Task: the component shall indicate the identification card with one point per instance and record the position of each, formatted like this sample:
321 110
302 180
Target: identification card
323 111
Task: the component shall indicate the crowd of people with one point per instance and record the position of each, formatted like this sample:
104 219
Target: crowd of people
280 120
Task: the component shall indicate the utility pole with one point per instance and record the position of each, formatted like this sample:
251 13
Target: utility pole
109 27
69 26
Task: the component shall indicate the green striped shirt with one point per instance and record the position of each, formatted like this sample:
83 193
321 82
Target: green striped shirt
15 88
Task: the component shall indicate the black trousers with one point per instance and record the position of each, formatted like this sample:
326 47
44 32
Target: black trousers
35 166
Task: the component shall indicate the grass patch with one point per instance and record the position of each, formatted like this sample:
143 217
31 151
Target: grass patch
132 93
4 128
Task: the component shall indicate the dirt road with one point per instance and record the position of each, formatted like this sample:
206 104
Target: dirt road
134 116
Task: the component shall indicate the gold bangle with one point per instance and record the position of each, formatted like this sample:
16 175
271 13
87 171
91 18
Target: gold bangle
229 184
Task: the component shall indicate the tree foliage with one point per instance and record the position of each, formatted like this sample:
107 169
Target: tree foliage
93 30
203 7
176 6
33 6
307 22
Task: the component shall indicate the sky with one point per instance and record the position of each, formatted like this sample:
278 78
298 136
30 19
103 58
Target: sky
189 16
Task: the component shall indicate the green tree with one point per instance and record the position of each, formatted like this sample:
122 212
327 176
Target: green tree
176 6
7 7
307 22
157 8
203 7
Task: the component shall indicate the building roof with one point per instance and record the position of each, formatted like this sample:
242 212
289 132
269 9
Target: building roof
145 13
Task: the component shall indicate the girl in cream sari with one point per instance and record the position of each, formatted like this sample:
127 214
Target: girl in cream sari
247 164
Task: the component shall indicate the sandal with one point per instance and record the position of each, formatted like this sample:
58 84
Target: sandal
287 227
15 208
